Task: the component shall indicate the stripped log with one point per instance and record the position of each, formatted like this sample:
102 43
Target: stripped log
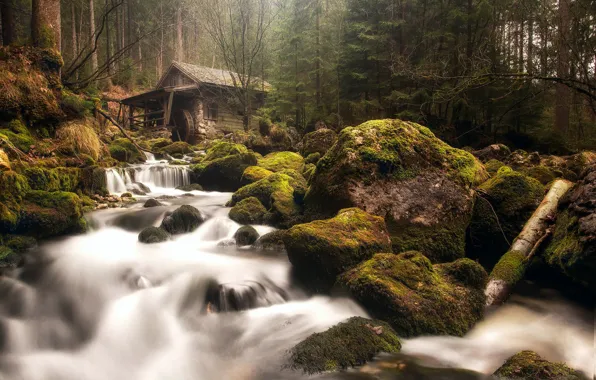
111 120
512 266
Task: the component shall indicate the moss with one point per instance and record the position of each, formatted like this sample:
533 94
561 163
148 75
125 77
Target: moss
223 174
184 219
253 174
246 235
529 365
348 344
177 148
417 298
75 105
221 149
273 241
492 166
151 235
503 206
57 179
308 171
8 258
13 188
93 181
312 158
79 137
17 126
19 243
276 193
248 211
159 143
279 161
22 139
124 150
4 161
318 141
510 268
543 174
321 250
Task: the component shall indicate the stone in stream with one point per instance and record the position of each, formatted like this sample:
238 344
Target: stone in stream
321 250
152 235
184 219
246 235
190 187
529 365
418 298
348 344
152 202
272 241
248 211
400 171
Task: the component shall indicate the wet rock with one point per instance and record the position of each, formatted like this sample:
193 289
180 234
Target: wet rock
246 235
279 161
141 186
138 192
323 249
503 206
221 149
253 174
318 141
572 250
178 148
248 211
273 241
126 195
528 365
223 174
102 206
191 187
152 202
151 235
418 298
124 150
348 344
187 195
231 242
400 171
493 152
543 174
184 219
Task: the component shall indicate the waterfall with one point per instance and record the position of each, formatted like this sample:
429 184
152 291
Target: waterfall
116 180
154 175
150 157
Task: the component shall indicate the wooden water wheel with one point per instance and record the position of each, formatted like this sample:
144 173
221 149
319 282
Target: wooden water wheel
183 125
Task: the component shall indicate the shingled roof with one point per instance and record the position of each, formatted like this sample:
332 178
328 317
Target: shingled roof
201 74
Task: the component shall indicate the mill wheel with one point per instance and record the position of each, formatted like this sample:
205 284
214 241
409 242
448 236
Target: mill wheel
183 125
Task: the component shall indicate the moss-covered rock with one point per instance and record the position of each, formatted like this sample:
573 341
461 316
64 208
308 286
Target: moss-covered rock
124 150
246 235
223 174
308 172
279 161
184 219
253 174
543 174
504 205
312 158
402 172
93 180
276 194
572 249
493 152
157 144
416 297
152 202
177 148
190 187
529 365
56 179
318 141
273 241
151 235
18 135
46 214
221 149
348 344
321 250
493 166
13 188
249 211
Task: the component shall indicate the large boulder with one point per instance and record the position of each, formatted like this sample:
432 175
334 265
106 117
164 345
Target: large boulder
529 365
504 204
246 235
318 141
177 149
277 194
221 149
279 161
573 247
272 241
416 297
348 344
493 152
152 235
249 211
124 150
223 174
184 219
400 171
253 174
321 250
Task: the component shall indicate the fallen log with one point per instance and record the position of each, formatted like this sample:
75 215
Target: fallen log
111 120
512 266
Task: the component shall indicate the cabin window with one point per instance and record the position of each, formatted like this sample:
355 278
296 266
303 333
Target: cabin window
211 111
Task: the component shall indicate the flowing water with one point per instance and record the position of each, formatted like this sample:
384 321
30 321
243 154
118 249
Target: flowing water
103 306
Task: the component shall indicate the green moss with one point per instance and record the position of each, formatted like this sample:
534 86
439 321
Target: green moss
253 174
308 171
543 174
75 105
223 174
19 243
322 249
22 140
417 298
177 148
529 365
17 126
318 142
348 344
312 158
492 166
124 150
246 235
13 188
221 149
510 268
57 179
279 161
157 144
8 258
273 241
248 211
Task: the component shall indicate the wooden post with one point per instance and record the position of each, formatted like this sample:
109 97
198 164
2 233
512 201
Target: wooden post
168 110
130 116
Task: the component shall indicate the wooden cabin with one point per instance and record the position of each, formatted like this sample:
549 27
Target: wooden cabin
191 100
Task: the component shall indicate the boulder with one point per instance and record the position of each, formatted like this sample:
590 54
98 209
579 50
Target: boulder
309 170
152 235
572 249
178 148
493 166
246 235
503 206
223 174
190 187
400 171
273 241
221 149
253 174
276 194
348 344
312 158
13 188
543 174
124 150
152 202
529 365
493 152
318 141
184 219
249 211
279 161
321 250
418 298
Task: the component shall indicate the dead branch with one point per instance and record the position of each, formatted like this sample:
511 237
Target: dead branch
110 119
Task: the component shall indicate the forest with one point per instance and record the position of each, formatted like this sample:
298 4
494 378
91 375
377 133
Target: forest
297 189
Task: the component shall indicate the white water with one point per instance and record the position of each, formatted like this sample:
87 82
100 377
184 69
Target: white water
103 306
158 176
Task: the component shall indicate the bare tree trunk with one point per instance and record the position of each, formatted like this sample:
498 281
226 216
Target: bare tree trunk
318 57
74 41
108 49
45 24
562 91
179 36
8 32
511 267
94 60
530 49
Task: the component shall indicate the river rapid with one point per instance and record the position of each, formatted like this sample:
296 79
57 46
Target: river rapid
103 306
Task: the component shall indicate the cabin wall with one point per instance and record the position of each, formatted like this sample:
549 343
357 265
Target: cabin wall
175 78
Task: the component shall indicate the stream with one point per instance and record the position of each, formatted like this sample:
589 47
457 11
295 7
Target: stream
103 306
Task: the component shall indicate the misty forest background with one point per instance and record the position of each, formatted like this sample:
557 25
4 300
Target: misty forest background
474 71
